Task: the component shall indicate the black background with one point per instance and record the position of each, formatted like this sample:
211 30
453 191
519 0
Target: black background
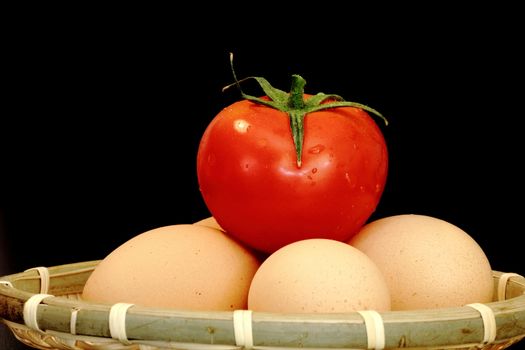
102 122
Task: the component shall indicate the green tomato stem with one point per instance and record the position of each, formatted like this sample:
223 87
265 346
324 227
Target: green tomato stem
296 98
295 106
296 123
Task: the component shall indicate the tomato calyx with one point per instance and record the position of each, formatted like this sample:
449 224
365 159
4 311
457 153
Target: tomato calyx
295 105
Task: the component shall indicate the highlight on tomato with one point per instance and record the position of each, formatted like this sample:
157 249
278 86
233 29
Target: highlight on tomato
284 167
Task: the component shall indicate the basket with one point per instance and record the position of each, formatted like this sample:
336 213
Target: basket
43 309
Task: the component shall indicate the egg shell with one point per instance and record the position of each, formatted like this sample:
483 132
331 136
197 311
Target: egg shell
428 262
318 275
190 267
209 222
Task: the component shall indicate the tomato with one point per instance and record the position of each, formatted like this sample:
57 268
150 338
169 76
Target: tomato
266 193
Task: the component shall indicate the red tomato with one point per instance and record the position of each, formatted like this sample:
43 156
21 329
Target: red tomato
251 182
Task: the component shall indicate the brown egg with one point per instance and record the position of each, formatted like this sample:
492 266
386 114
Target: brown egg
428 262
318 275
189 267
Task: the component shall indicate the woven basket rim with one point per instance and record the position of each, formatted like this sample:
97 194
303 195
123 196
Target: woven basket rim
343 330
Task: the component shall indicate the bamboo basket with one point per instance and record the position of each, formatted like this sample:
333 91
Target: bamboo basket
43 309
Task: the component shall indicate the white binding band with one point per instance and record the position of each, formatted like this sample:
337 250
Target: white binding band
44 278
375 329
242 327
73 321
502 284
117 322
30 310
6 283
489 321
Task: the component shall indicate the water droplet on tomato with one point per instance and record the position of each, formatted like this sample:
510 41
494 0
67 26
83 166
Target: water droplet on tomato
362 188
262 142
316 149
314 170
378 188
